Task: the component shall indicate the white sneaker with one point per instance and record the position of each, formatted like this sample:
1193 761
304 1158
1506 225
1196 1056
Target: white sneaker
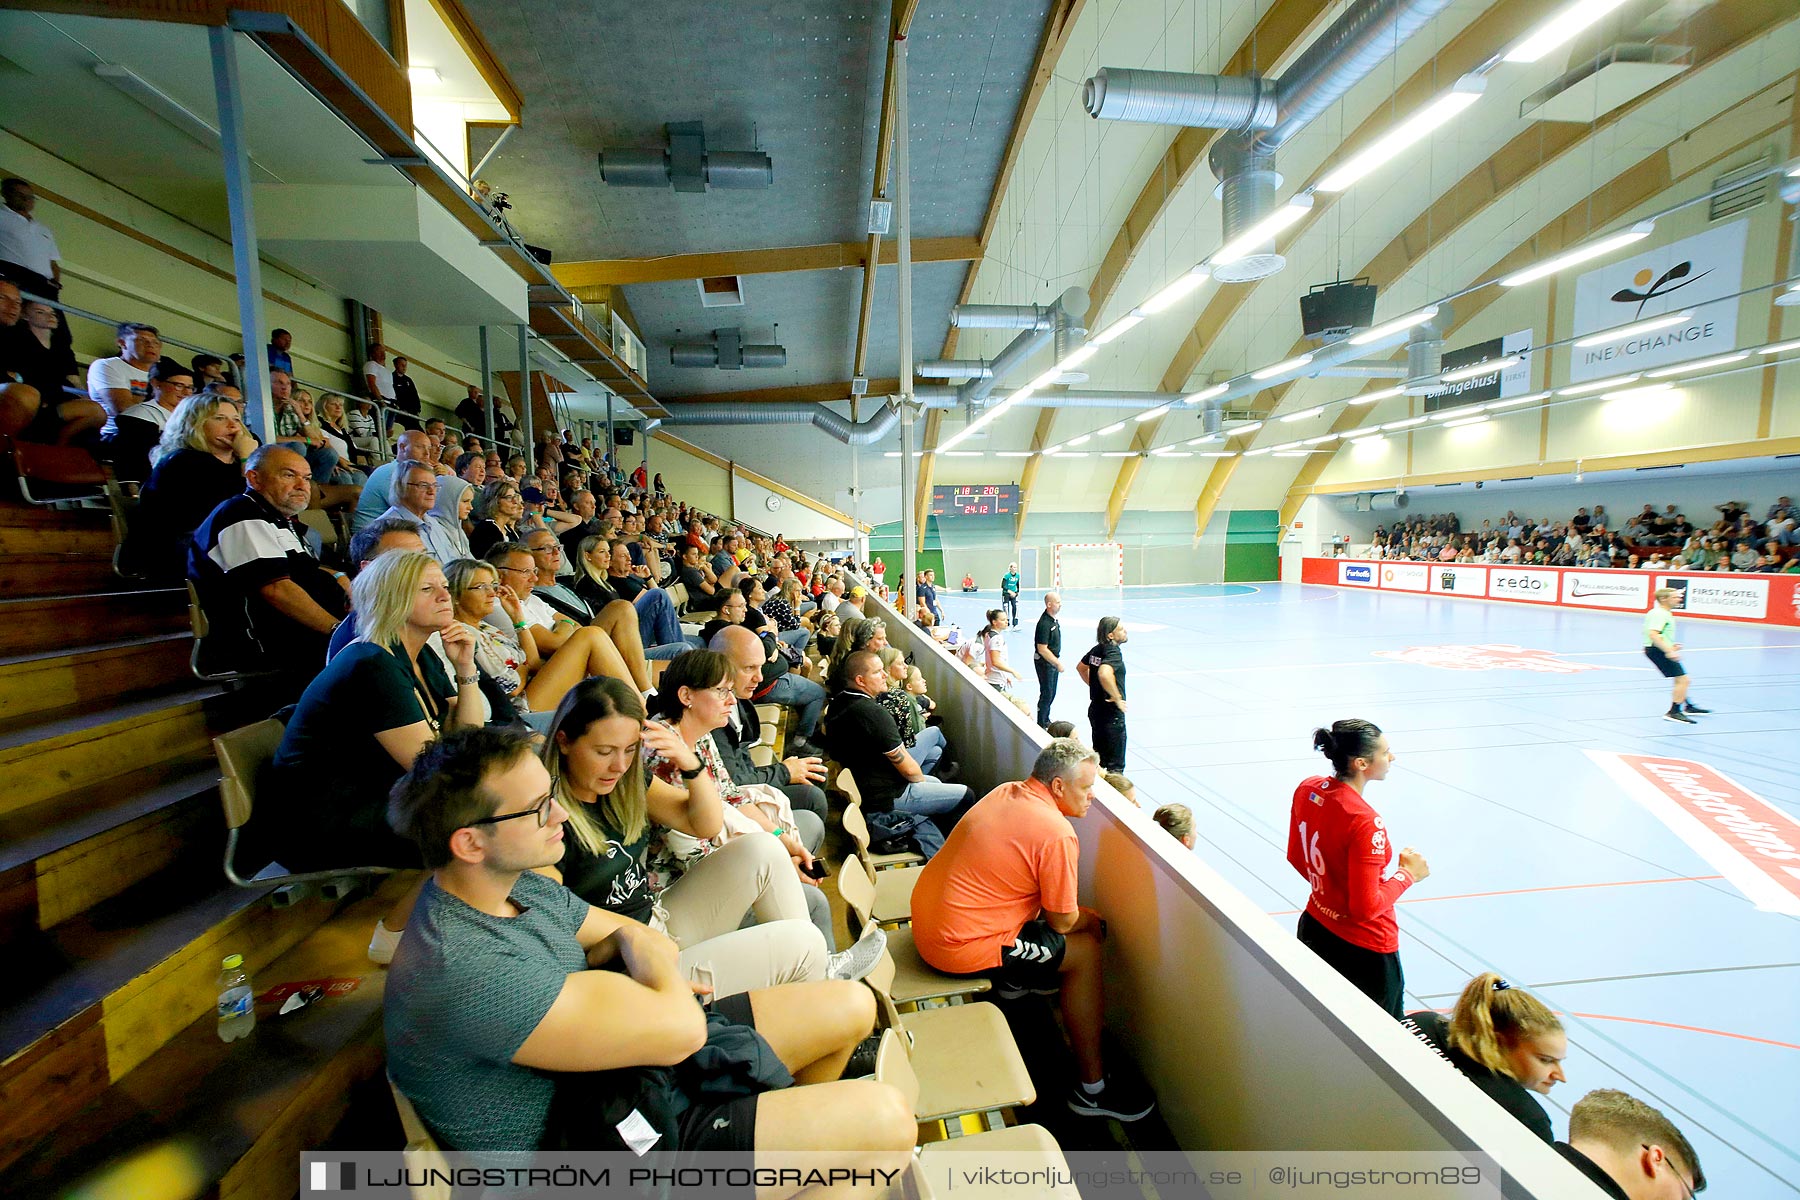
861 958
383 944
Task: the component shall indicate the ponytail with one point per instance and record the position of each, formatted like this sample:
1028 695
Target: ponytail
1491 1013
1346 740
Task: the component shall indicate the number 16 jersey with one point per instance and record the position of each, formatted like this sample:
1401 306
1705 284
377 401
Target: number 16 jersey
1339 844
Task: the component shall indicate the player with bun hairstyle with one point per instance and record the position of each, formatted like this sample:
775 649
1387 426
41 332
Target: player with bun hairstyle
1505 1040
1342 848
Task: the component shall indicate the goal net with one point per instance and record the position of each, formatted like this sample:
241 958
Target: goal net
1089 565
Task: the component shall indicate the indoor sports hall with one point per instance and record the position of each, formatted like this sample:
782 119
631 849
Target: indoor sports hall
1167 592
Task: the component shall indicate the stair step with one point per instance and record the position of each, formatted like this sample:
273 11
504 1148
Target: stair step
67 749
50 679
41 574
86 541
64 621
237 1116
64 855
18 515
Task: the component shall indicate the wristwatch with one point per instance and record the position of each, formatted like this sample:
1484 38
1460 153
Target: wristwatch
693 774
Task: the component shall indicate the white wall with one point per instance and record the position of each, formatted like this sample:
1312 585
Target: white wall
794 521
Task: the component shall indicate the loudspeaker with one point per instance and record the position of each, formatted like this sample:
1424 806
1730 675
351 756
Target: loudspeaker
624 435
539 253
1337 308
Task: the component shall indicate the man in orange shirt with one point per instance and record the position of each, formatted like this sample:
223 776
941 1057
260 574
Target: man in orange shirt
999 900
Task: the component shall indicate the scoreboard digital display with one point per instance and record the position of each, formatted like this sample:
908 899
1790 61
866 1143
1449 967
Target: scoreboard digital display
974 500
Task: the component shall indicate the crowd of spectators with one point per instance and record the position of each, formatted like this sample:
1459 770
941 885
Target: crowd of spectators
1738 540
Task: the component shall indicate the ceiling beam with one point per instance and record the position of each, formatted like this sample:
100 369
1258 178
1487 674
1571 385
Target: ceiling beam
819 393
1040 437
1058 24
934 423
828 256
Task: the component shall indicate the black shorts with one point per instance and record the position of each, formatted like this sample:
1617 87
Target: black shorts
727 1126
1373 973
1668 666
1031 962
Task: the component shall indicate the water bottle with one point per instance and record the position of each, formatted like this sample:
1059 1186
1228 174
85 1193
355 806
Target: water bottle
237 1000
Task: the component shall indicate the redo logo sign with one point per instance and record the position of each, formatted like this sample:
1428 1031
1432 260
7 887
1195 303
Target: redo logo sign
1539 586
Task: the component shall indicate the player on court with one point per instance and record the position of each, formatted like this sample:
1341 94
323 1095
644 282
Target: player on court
1342 848
1103 670
1661 648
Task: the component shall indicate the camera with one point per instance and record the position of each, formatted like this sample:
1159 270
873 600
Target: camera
499 202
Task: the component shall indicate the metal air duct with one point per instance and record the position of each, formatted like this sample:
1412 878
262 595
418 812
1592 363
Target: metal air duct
1066 338
1073 303
1178 98
1425 350
953 368
686 164
842 428
727 352
1000 316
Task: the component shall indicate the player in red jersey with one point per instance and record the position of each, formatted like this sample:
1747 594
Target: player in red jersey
1342 848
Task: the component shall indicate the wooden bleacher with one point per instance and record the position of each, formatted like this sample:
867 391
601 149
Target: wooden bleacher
115 911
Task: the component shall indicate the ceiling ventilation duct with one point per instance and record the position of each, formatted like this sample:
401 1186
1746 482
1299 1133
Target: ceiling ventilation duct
953 368
1425 350
789 413
1000 316
1072 304
1067 337
727 352
1262 116
686 164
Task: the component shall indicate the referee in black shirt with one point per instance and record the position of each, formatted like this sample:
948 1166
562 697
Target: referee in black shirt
1103 670
1047 656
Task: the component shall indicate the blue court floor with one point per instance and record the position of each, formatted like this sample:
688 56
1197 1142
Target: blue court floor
1673 985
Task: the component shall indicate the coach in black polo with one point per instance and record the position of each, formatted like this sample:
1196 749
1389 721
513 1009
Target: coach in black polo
269 601
1046 656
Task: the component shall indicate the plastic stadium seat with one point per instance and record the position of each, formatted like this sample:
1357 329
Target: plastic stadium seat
914 979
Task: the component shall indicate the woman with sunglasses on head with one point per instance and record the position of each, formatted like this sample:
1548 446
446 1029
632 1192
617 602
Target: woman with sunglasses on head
1342 847
363 720
620 814
1505 1040
501 509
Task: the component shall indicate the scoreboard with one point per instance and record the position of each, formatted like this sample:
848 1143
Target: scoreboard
974 500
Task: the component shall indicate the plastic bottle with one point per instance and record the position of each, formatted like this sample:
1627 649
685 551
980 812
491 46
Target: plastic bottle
237 1000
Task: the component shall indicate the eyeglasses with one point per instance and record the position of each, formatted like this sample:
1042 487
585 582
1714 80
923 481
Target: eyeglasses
481 587
541 810
429 485
1687 1190
532 571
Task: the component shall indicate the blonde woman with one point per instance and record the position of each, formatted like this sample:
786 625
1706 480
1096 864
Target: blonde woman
363 720
1505 1040
617 814
196 466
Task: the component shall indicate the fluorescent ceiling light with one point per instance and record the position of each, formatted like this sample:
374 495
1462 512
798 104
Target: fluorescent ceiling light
1466 421
1461 410
1218 454
1368 437
1165 452
424 74
1321 439
1206 393
1047 379
1486 366
1371 397
1119 328
1249 241
1560 29
1012 454
160 103
1113 428
1293 453
1406 424
1287 446
1516 400
1173 293
1258 450
1599 385
1077 356
1200 441
891 454
1118 454
1397 325
1781 347
1305 414
1080 441
1071 454
1698 365
1282 368
1252 427
1652 389
1152 414
987 417
962 454
1636 327
1408 133
1581 254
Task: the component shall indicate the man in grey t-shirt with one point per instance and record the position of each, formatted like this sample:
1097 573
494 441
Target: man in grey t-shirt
506 987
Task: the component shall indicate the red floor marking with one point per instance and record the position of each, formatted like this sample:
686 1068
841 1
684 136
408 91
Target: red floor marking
1742 1037
1558 887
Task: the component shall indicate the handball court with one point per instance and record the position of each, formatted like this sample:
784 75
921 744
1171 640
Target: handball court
1553 861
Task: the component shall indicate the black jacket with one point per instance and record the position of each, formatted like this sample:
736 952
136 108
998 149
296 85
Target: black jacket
734 745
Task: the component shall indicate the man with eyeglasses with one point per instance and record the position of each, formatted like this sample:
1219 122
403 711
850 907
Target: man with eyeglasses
1629 1150
410 445
519 1017
271 604
139 427
115 384
413 490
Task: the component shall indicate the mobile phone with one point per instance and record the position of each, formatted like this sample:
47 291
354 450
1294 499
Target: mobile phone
818 870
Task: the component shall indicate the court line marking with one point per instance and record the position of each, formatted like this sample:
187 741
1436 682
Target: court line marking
1725 1033
1550 983
1554 887
1374 662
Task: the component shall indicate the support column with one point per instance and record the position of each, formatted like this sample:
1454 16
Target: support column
612 454
487 378
524 400
903 205
245 261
